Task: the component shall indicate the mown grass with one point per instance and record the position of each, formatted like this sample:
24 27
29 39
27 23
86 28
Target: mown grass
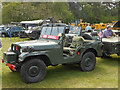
105 74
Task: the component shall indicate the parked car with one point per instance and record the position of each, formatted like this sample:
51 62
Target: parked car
33 28
32 57
2 28
14 31
35 33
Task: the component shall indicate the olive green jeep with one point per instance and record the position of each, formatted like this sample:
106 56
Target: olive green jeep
32 57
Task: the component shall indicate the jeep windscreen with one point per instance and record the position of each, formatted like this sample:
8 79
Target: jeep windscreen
52 33
17 28
74 30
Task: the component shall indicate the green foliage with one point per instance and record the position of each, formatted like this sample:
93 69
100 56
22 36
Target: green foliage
61 11
93 12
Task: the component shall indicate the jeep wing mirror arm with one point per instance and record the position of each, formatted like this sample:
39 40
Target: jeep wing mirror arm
61 39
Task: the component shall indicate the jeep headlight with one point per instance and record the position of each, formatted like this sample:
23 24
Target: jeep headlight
9 49
13 48
26 49
30 48
21 50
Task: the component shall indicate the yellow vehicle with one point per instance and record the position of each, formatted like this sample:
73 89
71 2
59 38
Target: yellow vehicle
97 26
103 26
93 26
72 24
82 24
100 26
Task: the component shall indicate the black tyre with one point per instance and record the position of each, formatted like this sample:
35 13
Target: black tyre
88 62
3 35
33 71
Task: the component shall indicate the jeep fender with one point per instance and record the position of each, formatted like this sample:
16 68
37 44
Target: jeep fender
96 50
25 55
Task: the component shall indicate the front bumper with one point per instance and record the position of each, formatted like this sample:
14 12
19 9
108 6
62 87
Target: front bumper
10 59
11 66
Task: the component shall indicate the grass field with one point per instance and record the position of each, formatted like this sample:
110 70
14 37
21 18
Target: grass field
105 74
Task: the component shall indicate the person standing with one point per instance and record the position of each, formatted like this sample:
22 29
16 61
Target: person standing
0 44
88 28
9 30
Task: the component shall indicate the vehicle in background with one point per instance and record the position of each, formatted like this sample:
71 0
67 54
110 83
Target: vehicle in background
80 23
34 33
14 31
100 26
3 27
116 28
89 35
33 28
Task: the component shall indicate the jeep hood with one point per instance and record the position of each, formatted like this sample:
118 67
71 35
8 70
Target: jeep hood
36 43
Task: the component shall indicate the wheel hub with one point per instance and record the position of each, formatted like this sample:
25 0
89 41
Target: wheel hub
33 71
88 62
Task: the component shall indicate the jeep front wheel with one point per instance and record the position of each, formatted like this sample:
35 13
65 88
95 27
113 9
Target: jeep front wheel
33 71
88 62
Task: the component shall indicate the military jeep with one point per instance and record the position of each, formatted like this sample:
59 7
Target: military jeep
32 57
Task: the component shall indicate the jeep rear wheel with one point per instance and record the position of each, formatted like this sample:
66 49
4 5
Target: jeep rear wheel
33 71
88 62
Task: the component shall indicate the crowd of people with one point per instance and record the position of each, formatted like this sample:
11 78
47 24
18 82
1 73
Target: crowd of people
107 33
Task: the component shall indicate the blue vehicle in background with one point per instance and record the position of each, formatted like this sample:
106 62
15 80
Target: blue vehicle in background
14 31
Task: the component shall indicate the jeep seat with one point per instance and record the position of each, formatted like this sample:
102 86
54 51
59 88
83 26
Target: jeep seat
67 41
87 36
76 41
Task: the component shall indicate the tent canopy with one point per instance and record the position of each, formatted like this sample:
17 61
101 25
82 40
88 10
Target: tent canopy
32 22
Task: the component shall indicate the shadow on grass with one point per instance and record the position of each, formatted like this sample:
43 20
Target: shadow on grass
54 73
112 61
70 71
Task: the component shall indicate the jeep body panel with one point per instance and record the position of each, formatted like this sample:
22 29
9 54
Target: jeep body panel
111 45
